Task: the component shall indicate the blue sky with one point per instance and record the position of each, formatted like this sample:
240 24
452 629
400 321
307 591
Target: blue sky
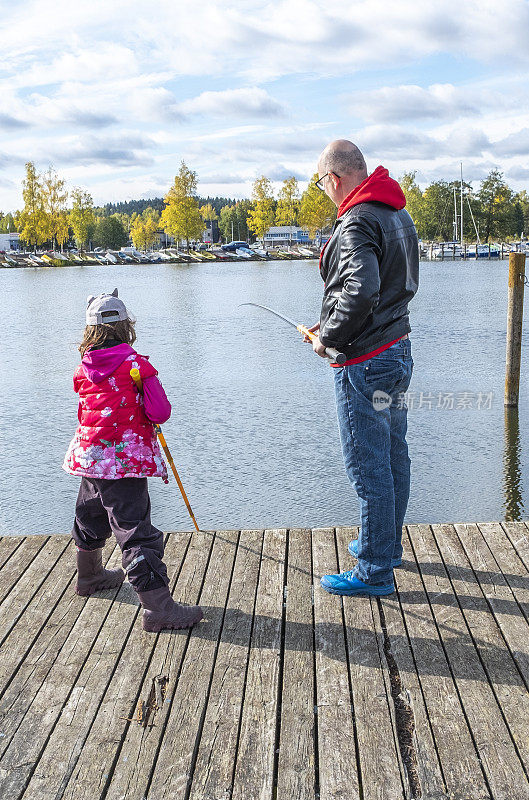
115 94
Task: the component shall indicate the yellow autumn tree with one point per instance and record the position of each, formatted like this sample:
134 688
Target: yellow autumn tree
288 202
82 218
181 217
54 197
316 211
31 221
144 228
261 216
208 213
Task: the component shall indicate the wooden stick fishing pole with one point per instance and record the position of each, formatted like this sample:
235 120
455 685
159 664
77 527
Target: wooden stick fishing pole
135 375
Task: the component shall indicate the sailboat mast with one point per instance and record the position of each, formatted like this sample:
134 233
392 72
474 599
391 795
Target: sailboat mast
455 234
461 222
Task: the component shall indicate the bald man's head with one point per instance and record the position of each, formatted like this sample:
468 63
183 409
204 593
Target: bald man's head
343 158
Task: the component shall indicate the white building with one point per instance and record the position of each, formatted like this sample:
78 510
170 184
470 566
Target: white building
9 241
285 234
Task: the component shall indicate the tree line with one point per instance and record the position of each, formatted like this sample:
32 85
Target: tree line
52 215
493 211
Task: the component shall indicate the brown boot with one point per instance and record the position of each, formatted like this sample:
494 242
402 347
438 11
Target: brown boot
91 577
160 611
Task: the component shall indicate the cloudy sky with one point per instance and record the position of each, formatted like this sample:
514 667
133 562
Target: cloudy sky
115 94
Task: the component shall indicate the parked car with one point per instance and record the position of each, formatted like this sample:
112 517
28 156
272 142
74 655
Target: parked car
233 246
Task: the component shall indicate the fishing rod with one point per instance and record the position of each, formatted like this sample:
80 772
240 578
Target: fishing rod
135 375
331 353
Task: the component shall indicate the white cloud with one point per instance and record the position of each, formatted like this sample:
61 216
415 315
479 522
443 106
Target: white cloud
437 102
246 102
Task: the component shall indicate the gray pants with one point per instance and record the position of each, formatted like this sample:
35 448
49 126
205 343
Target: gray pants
122 507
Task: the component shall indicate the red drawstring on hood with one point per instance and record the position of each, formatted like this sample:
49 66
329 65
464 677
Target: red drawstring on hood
378 187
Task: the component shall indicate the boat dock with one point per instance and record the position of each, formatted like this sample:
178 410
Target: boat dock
282 692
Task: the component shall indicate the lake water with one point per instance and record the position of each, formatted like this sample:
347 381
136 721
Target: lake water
253 431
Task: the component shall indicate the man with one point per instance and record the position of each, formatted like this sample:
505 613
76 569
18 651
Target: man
370 267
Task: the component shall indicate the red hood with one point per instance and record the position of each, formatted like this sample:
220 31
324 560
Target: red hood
379 187
99 364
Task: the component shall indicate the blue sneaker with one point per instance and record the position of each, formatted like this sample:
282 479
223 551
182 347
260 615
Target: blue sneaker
353 550
347 584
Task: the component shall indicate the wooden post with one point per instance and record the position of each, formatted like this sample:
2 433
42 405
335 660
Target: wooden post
514 327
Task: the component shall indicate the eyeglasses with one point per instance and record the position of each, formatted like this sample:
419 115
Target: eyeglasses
319 183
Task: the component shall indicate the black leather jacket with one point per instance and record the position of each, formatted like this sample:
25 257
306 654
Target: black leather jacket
371 271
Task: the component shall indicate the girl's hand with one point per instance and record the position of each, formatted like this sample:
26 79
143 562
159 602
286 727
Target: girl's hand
314 328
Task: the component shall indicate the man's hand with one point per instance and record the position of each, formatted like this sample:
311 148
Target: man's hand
317 346
314 328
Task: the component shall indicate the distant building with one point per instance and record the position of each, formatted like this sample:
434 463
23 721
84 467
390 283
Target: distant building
163 239
9 241
211 233
284 234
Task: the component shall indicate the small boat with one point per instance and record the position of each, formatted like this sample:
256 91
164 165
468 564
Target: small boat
243 253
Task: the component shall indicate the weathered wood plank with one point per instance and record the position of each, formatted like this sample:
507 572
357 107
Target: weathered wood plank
514 570
35 665
502 672
423 759
499 758
18 563
182 727
502 602
110 736
296 768
337 754
8 545
462 774
214 766
373 709
255 754
518 535
30 581
34 620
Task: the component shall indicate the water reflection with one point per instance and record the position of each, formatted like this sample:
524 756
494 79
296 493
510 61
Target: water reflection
512 472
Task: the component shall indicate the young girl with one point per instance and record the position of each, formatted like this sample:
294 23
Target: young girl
115 450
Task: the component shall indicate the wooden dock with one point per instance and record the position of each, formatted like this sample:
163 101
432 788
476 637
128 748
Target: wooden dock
283 692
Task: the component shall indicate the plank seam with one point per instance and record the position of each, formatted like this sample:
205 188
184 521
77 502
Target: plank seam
404 716
279 704
417 672
314 682
243 694
349 680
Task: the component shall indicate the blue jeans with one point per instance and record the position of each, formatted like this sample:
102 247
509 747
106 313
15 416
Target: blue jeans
373 420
